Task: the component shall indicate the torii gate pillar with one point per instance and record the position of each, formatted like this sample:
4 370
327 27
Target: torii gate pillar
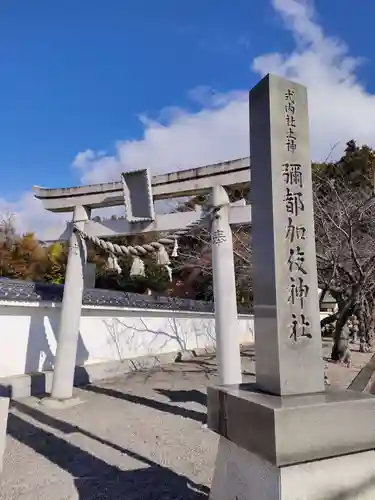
226 321
70 317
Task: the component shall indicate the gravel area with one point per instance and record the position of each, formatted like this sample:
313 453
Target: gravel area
137 437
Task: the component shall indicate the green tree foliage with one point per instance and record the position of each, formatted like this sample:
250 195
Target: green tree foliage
56 258
24 257
156 278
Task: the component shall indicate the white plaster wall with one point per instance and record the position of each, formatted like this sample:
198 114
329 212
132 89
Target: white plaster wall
324 314
28 334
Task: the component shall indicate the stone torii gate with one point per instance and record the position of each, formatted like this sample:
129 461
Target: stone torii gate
138 192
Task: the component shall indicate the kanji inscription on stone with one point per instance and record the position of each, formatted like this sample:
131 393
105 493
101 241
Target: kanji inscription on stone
218 237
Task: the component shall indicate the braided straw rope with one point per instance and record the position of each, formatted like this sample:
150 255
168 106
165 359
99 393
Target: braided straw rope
154 246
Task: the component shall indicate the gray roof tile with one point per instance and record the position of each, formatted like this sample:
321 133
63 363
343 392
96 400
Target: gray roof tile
30 291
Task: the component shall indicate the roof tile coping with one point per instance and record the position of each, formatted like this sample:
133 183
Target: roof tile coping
32 291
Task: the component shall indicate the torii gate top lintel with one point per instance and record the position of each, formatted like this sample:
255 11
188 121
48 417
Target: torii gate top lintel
175 184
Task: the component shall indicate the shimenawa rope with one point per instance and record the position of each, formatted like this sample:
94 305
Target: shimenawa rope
154 246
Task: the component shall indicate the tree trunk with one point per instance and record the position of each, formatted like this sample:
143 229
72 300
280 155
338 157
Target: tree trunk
341 343
341 334
371 334
370 337
370 331
361 315
329 319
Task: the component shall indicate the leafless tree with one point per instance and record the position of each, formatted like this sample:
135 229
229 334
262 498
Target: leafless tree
200 261
195 263
345 241
7 228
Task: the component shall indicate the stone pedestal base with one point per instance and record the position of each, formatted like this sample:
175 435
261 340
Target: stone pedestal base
4 409
310 447
60 404
241 475
286 430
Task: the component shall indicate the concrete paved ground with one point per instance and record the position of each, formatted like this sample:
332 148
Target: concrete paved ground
136 437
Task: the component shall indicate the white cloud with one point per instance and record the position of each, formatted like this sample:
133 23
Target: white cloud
340 109
217 132
30 216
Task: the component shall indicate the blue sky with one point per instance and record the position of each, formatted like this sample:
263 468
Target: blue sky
89 88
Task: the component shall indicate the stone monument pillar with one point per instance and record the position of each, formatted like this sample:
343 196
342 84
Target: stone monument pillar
286 437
